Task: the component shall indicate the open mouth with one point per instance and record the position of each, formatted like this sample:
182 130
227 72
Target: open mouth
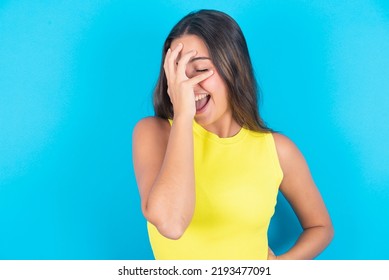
201 102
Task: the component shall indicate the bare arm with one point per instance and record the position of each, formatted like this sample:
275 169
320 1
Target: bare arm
163 156
163 163
300 190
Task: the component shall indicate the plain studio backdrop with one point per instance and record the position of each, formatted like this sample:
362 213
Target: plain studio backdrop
75 77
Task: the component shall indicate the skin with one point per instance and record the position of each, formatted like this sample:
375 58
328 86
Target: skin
164 161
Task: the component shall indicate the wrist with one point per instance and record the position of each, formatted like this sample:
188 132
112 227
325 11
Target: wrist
183 118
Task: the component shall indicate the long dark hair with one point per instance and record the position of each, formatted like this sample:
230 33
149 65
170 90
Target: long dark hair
229 53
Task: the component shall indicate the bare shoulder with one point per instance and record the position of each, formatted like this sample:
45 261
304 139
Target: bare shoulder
151 128
286 148
291 159
150 135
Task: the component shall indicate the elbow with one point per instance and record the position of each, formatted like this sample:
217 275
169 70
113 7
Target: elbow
327 234
169 227
171 231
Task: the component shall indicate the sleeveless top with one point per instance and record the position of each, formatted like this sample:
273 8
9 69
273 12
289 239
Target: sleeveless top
237 181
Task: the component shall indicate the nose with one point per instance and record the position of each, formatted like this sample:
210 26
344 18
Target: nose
197 88
190 72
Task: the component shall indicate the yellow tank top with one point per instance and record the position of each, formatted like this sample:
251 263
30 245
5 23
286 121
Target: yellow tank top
237 181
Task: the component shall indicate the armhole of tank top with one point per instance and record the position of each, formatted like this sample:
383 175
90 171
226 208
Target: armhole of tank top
274 155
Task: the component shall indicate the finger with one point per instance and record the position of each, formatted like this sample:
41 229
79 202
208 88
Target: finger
173 57
199 78
165 63
184 60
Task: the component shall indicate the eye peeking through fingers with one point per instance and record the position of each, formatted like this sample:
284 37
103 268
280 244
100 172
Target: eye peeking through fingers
202 70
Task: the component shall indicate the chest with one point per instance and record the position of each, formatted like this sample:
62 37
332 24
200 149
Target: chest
235 184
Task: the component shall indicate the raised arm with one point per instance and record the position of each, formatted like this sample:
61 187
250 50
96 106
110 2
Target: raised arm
301 192
163 156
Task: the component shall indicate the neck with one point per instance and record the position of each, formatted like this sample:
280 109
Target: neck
223 128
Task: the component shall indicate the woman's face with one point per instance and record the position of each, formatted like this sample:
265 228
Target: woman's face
212 111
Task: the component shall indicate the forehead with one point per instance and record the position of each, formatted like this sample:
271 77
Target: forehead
191 42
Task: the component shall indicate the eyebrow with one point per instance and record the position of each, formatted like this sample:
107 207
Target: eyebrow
199 58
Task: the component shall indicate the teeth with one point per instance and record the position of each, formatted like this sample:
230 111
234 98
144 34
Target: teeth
201 96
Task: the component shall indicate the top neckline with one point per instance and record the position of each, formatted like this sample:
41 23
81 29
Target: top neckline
214 137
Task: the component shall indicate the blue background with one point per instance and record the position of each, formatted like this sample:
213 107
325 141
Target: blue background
75 77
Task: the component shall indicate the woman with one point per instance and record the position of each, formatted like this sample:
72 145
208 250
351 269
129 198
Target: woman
207 167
